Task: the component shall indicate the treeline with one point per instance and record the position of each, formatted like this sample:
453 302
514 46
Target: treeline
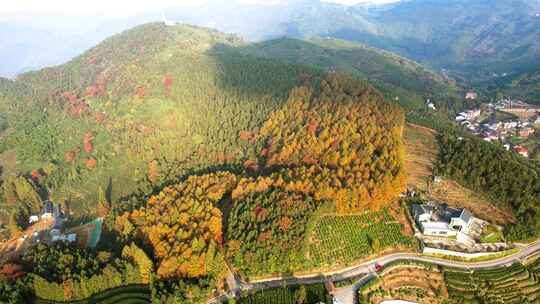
509 179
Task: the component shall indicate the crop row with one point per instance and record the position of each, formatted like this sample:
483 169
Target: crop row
343 239
513 284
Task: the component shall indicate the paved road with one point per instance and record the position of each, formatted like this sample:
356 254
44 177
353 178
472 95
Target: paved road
347 294
365 271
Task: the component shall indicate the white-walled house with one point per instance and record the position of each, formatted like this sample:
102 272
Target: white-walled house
70 238
33 219
439 220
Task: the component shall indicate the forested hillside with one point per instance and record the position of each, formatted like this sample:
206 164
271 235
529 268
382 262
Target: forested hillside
400 79
139 109
523 86
192 151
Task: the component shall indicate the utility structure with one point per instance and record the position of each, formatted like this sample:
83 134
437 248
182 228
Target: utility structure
165 20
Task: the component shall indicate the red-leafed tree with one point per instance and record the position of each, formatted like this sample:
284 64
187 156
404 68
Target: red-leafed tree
140 92
91 91
71 155
167 81
100 117
36 175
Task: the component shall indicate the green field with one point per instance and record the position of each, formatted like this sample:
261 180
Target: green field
339 240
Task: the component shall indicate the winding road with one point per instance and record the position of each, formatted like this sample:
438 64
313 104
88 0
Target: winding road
365 271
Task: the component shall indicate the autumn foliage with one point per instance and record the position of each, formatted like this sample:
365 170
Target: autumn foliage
87 142
11 271
341 142
267 229
90 163
182 225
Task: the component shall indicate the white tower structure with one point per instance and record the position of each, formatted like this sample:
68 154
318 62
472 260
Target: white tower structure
165 20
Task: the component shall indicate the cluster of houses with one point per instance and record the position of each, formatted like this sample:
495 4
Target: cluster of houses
471 95
468 116
52 214
500 130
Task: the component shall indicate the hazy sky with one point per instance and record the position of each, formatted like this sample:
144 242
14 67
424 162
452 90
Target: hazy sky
117 7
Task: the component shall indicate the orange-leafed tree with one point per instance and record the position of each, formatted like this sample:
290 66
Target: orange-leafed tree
181 224
90 163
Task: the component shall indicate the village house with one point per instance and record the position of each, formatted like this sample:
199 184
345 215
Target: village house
468 115
442 221
522 151
471 95
525 132
430 104
33 219
510 125
490 136
48 209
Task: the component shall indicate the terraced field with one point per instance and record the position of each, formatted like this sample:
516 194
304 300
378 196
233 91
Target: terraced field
420 157
515 284
341 240
406 282
123 295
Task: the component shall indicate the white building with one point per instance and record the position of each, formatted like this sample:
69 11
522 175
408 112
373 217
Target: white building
166 21
468 115
70 238
439 220
33 219
471 95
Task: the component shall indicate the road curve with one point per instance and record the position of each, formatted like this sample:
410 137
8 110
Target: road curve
367 268
365 271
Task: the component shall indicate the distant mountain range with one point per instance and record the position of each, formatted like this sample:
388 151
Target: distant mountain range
467 38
